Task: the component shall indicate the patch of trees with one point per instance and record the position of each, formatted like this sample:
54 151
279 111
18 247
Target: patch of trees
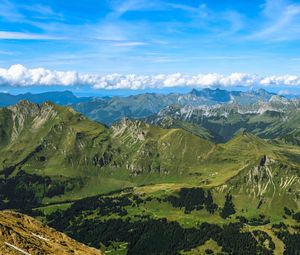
228 208
104 205
143 234
25 191
287 211
263 237
296 216
236 242
193 199
290 212
291 242
156 236
259 221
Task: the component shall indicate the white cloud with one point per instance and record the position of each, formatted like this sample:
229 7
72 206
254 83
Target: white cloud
20 76
8 35
282 19
130 44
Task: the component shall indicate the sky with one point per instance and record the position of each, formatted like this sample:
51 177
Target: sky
142 44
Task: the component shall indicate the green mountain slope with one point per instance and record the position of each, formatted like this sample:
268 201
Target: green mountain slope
49 138
56 142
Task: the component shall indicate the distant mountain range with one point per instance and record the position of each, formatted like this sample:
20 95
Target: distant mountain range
108 110
277 118
61 98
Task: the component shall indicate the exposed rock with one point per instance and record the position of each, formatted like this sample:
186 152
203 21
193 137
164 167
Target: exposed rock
21 234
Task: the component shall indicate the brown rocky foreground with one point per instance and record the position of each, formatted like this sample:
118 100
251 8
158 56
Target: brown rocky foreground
21 234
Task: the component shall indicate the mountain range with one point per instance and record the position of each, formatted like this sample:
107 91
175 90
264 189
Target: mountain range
108 110
113 109
190 178
59 97
276 119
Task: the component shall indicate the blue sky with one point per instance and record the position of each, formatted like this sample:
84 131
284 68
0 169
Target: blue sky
152 37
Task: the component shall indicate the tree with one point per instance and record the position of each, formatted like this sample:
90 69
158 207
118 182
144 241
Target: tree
228 208
211 207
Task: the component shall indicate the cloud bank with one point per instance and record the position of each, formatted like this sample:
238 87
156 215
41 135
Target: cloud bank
20 76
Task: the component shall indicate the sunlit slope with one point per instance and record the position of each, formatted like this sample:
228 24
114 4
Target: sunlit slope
49 138
155 150
21 234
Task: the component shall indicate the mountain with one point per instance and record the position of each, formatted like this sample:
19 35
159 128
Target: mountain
159 151
21 234
277 118
137 188
59 97
49 152
110 110
113 109
48 135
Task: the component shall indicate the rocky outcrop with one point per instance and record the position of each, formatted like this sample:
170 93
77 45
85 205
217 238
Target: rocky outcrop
270 178
133 129
21 234
25 112
260 178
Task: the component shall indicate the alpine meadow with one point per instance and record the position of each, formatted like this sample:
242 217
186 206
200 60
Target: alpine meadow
164 127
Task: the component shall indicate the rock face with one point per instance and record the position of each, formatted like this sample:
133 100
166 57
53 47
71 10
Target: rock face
270 179
25 112
21 234
260 178
134 130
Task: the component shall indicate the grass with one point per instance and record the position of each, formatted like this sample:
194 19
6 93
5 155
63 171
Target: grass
208 245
